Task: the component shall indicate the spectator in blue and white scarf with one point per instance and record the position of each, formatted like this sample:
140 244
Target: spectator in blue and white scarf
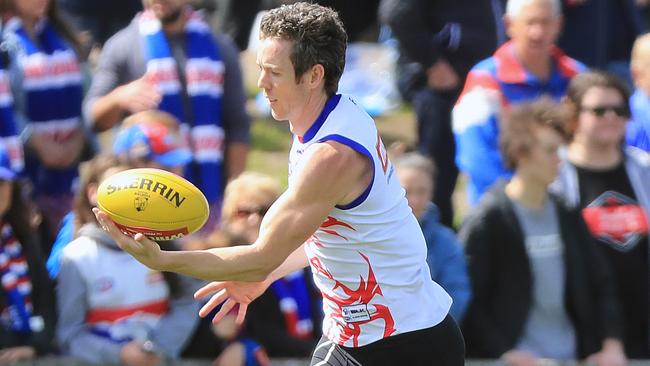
168 59
46 81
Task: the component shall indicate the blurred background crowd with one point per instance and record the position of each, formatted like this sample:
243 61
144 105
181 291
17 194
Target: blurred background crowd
534 110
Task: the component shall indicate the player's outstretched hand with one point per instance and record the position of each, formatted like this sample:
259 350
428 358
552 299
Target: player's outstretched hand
139 246
230 293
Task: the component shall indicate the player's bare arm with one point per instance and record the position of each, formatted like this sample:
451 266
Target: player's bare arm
331 173
243 293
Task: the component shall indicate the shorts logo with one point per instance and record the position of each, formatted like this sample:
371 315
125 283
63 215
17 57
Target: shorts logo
355 313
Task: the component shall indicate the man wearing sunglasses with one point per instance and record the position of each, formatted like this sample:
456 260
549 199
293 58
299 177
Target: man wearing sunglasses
608 182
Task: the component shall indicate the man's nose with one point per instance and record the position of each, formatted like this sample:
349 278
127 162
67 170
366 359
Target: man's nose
262 80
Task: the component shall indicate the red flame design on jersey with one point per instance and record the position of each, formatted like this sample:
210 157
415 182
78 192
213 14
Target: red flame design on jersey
325 227
330 222
362 295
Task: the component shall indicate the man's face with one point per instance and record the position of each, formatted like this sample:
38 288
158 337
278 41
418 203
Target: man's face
535 28
604 129
286 95
165 9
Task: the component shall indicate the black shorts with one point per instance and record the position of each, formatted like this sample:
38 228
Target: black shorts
440 345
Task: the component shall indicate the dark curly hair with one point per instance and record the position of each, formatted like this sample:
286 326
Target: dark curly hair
318 37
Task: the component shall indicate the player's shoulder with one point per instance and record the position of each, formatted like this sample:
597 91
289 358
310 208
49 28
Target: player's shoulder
329 165
330 169
333 154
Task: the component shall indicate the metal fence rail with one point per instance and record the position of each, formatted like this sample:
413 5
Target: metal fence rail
62 361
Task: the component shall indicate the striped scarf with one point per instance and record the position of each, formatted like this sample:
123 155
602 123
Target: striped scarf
53 96
204 76
293 296
16 284
9 136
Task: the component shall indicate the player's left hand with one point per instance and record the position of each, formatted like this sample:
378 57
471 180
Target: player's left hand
139 246
230 293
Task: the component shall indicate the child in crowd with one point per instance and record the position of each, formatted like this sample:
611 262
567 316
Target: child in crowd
149 139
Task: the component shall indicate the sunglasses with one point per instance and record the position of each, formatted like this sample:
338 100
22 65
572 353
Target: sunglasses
246 212
600 111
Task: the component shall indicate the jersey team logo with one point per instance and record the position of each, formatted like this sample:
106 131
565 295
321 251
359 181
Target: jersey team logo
616 220
140 202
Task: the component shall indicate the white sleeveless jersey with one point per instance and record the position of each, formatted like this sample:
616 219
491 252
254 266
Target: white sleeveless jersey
368 258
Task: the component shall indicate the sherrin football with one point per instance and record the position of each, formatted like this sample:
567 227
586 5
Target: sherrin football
159 204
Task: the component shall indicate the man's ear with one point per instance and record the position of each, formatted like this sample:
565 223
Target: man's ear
316 75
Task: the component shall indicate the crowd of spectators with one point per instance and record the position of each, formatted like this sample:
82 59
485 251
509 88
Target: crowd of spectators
539 104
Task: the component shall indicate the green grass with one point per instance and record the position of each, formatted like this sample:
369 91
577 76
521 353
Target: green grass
270 136
271 141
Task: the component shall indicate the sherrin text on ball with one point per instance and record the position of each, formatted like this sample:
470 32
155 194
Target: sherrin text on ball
159 204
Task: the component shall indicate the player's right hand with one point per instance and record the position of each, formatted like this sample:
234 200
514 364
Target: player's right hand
230 293
138 95
139 246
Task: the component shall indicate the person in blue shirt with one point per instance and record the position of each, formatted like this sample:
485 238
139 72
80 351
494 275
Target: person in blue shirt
444 253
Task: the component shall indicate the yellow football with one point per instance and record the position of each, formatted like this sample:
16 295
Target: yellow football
157 203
